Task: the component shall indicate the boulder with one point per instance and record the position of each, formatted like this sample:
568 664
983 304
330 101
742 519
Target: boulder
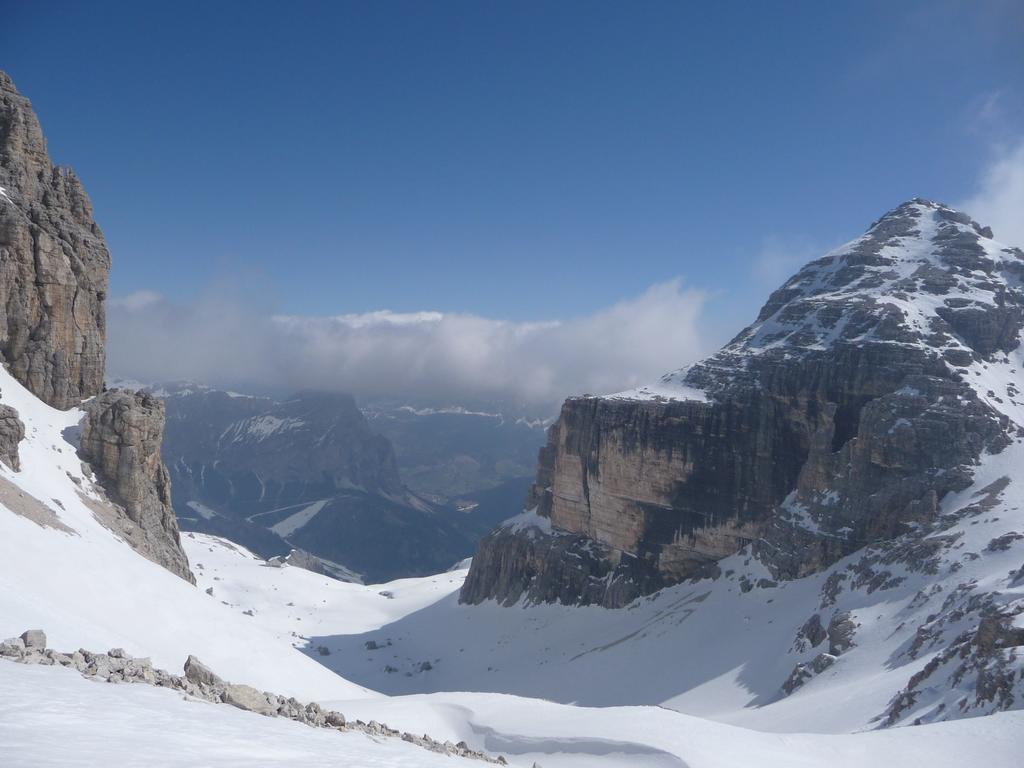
12 646
34 639
198 673
248 698
335 719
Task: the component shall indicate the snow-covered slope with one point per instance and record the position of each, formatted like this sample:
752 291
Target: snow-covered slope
296 604
53 718
88 724
712 649
713 652
75 579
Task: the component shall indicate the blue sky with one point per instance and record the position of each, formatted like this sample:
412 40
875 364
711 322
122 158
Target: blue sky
520 161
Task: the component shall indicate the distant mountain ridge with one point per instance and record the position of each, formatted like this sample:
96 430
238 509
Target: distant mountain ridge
310 472
450 452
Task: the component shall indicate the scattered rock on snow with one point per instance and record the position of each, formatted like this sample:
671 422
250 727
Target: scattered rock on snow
200 682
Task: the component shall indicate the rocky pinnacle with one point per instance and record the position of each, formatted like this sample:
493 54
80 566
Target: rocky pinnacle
54 265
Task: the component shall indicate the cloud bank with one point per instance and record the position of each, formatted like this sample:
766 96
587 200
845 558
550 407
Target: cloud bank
453 358
999 199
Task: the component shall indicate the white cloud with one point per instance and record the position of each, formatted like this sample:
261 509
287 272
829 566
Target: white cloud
423 355
999 200
135 301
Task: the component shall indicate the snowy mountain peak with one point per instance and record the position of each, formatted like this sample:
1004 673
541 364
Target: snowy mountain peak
898 282
923 277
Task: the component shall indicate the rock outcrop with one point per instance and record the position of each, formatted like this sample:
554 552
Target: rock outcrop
12 432
850 407
120 438
54 265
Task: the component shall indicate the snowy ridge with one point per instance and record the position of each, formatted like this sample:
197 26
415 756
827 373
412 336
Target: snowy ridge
896 284
896 277
669 387
260 427
526 521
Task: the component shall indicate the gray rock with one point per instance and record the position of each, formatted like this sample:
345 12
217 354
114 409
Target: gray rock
12 432
335 719
841 630
34 639
12 646
247 697
121 438
812 632
198 673
99 666
58 658
54 266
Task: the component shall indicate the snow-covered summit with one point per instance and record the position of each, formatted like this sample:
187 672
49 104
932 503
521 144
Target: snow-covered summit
908 279
923 277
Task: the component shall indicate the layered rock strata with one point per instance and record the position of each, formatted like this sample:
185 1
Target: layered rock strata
866 390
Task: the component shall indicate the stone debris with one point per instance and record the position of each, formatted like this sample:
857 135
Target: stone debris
200 682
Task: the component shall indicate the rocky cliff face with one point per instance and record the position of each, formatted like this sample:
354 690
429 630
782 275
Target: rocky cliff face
121 438
54 265
865 391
